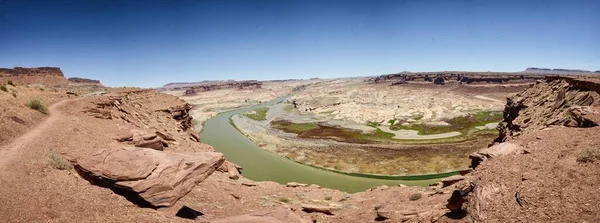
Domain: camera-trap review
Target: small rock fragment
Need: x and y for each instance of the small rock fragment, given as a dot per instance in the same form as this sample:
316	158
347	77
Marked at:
249	184
295	184
309	208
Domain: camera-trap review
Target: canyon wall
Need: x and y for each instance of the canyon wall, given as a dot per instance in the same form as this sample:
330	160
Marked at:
50	76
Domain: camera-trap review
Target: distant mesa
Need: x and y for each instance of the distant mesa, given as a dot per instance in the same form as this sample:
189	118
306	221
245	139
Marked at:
194	87
84	81
48	76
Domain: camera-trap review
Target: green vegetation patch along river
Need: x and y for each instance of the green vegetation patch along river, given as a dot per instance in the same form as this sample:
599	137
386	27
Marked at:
261	165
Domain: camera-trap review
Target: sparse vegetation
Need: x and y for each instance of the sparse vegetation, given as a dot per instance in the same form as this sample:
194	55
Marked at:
38	105
415	196
284	200
14	93
57	161
10	82
3	87
418	117
316	130
462	124
392	121
297	128
373	124
328	198
588	156
260	114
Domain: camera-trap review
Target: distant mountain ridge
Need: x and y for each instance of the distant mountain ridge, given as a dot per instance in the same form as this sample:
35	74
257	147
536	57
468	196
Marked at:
558	71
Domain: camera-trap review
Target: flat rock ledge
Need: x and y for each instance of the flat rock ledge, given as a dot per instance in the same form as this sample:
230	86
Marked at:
159	178
275	215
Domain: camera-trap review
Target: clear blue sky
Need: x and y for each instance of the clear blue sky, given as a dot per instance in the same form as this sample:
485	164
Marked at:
150	43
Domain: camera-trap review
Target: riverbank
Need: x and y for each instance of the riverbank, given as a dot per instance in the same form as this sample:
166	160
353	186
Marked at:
261	165
393	160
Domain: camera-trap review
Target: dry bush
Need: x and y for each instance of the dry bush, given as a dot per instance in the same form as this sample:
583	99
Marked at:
56	161
3	87
415	196
588	156
38	105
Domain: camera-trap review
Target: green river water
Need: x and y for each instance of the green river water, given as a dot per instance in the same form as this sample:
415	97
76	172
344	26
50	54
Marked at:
261	165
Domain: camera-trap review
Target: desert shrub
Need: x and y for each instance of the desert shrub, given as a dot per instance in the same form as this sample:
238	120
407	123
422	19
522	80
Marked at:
3	87
415	196
56	161
328	198
392	121
260	114
38	105
10	82
284	200
14	93
588	156
373	124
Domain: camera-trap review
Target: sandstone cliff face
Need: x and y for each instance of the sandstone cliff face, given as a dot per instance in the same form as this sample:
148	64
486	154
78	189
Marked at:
50	76
566	101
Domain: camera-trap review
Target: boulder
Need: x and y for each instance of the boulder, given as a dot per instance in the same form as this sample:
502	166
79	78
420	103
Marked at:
493	152
383	213
585	116
276	215
159	178
232	170
125	137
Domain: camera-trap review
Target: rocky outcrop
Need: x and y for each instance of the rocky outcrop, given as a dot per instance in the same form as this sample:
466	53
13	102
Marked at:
159	178
84	81
49	76
155	114
565	101
493	152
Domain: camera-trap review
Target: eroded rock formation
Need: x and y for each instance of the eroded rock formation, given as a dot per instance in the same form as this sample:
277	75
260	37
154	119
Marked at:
143	109
159	178
565	101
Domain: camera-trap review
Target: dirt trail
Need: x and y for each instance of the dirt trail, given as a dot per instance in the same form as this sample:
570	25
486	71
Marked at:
8	151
